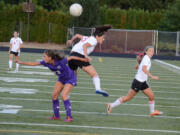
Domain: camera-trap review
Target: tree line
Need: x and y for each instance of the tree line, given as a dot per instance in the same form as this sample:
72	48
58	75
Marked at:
54	14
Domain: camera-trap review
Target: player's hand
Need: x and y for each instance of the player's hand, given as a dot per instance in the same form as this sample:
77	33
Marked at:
87	57
17	61
9	51
155	77
69	42
86	60
137	66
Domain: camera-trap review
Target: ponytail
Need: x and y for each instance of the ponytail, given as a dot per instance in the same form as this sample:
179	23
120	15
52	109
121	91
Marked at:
140	57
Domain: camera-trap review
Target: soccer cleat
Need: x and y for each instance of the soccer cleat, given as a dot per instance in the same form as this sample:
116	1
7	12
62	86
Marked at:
9	69
156	112
108	108
68	119
15	71
104	93
54	118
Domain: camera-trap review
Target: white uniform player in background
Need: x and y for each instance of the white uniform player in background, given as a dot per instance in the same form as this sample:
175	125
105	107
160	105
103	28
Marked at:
14	50
82	49
140	83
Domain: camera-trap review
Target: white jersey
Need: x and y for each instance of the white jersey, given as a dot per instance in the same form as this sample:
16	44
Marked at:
15	42
141	76
79	46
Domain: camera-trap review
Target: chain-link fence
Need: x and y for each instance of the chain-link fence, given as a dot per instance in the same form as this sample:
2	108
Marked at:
168	43
134	41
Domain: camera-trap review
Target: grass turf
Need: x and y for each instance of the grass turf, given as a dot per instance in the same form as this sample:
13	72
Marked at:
88	108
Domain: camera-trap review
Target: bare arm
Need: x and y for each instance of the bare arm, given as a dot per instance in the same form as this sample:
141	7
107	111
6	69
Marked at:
77	58
10	47
28	63
19	47
77	36
85	46
149	74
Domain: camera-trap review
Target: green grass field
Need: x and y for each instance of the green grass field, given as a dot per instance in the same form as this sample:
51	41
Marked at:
88	109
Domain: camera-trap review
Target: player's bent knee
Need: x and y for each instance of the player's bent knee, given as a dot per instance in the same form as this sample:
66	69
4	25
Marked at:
54	96
64	97
151	98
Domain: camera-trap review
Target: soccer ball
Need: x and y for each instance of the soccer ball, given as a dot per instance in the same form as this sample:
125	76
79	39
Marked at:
75	9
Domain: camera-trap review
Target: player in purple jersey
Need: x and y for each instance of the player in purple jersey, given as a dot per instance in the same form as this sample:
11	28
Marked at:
67	79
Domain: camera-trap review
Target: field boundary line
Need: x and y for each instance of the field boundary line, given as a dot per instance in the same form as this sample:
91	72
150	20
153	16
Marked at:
85	102
43	132
102	113
90	127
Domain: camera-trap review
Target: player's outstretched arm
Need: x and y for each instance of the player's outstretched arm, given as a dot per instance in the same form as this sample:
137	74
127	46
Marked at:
77	58
149	74
28	63
77	36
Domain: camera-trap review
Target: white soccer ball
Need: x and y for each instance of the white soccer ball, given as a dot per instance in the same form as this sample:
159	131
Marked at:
75	9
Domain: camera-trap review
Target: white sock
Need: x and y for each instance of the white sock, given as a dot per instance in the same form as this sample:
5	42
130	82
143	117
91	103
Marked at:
17	67
116	103
96	81
10	63
151	106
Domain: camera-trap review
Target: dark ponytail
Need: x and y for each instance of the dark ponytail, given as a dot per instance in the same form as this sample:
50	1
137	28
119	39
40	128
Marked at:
100	30
55	54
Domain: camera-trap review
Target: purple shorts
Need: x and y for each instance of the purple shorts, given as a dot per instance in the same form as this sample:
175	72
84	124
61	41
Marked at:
72	80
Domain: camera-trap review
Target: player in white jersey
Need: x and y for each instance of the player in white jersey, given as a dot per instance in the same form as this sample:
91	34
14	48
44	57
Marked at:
82	49
14	49
140	83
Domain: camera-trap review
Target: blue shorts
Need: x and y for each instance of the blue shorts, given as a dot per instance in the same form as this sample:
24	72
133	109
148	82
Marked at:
72	80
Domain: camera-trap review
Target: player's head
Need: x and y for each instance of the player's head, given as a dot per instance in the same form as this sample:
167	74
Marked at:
16	34
50	55
149	50
100	31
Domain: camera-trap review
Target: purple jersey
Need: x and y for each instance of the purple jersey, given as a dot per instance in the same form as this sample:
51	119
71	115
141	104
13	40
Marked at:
64	73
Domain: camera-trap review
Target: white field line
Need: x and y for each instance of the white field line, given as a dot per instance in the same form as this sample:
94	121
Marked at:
141	97
170	67
85	77
100	113
88	88
122	84
115	70
33	80
102	73
83	102
91	127
112	74
104	80
32	91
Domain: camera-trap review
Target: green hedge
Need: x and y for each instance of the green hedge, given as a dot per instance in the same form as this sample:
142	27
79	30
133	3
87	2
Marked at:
131	19
11	16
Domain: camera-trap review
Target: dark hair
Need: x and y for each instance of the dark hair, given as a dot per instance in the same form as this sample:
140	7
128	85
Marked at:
16	32
141	55
55	54
100	30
